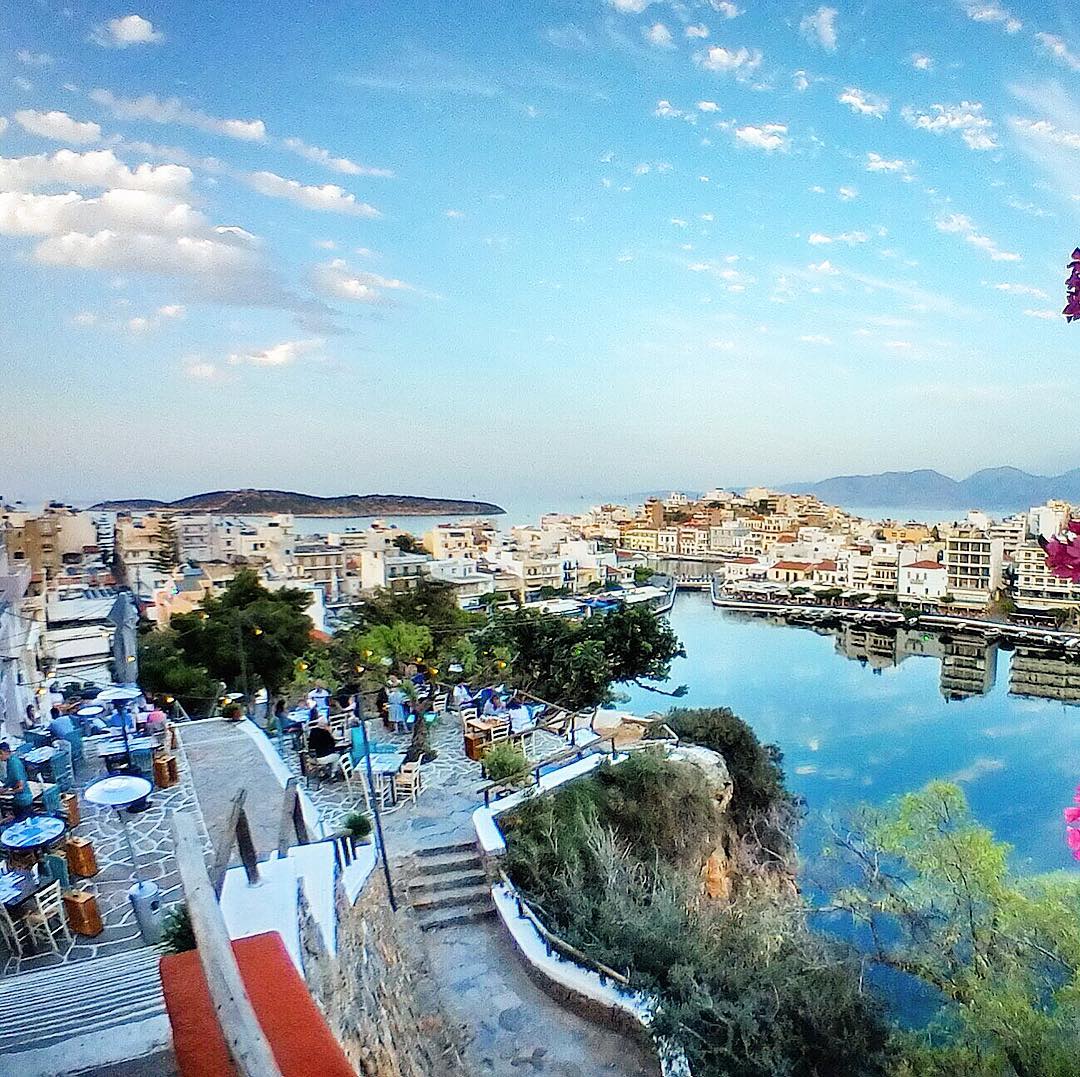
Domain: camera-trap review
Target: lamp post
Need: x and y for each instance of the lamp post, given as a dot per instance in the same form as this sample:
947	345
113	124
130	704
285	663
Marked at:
358	710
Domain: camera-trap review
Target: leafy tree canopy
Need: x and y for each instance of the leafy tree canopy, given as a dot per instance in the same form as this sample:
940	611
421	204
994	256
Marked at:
165	670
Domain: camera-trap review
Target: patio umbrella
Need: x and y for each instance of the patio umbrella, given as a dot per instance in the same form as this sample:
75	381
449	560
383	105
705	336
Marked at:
124	646
121	693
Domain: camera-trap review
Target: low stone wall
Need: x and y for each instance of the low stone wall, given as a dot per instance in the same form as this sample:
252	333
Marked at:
375	993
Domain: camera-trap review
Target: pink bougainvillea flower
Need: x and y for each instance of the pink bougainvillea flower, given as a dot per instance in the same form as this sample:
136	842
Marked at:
1075	255
1073	838
1063	552
1072	815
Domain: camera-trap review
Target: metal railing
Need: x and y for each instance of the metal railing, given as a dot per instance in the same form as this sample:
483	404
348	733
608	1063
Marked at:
512	783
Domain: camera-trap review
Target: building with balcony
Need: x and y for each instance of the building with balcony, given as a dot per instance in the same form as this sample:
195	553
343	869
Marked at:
973	565
1034	586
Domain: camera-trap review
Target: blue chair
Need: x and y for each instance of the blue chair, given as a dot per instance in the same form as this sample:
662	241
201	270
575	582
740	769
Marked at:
37	739
78	753
55	868
60	765
142	760
50	800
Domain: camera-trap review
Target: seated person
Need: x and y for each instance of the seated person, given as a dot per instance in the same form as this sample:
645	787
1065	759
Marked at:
520	716
462	695
119	716
322	745
16	779
156	721
495	706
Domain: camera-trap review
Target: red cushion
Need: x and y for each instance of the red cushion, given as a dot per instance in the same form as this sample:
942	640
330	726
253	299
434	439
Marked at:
299	1037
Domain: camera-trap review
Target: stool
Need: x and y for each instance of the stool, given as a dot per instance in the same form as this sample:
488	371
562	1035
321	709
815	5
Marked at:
69	804
166	771
80	857
81	913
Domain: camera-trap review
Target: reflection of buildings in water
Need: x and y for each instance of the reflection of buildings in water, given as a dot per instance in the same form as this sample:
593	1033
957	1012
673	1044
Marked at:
1034	672
968	667
883	648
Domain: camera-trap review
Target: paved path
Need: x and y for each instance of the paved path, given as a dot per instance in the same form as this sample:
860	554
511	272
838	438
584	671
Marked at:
224	760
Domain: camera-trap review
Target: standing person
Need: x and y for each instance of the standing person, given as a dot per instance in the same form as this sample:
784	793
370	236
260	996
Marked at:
462	695
16	779
63	728
279	716
396	713
382	703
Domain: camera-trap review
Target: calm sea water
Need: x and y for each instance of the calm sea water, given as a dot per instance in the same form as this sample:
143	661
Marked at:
851	732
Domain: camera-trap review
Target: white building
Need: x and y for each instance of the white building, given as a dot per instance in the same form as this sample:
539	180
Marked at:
20	639
1035	587
922	580
461	573
974	564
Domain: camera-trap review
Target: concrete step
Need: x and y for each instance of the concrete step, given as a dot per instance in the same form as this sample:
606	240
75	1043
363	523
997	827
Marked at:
450	880
438	918
460	897
442	850
443	863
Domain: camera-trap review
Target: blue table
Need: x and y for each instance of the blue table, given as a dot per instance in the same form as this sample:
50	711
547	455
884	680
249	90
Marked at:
39	756
16	886
32	834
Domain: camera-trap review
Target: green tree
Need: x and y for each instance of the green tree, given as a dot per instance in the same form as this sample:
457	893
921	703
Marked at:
408	543
642	574
168	546
400	642
935	898
248	629
165	670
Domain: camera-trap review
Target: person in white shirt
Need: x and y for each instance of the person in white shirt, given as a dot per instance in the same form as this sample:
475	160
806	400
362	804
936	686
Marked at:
462	695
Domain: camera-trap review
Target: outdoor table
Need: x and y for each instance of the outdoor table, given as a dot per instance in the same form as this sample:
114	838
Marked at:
38	735
37	790
388	763
17	885
33	834
39	756
115	746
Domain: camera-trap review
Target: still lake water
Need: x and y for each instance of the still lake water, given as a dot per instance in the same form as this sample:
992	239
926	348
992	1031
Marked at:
850	732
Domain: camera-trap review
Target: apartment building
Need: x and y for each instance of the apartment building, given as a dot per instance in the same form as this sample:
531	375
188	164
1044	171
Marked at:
323	564
46	539
461	573
973	563
1034	586
392	569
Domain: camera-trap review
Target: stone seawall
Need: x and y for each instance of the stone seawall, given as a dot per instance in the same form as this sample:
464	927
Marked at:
376	994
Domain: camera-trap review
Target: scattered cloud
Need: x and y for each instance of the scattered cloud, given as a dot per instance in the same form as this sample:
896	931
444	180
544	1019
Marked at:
865	104
172	110
846	194
698	30
93	168
630	7
1021	289
455	214
815	338
826	267
328	160
992	11
201	371
659	36
33	59
277	355
959	224
58	126
740	62
708	106
336	280
768	137
817	239
1046	315
1045	131
125	31
1056	48
921	62
800	81
328	198
729	11
820	28
567	36
876	163
967	119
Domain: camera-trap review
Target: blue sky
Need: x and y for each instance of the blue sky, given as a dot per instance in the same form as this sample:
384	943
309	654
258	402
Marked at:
497	249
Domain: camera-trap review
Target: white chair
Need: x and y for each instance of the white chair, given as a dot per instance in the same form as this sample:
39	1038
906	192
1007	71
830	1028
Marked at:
348	772
47	907
15	933
500	734
408	782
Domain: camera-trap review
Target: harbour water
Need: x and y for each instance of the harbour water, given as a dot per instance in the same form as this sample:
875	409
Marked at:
864	717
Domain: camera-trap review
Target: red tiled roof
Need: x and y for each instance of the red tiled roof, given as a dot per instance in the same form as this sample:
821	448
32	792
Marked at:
743	560
793	566
825	566
925	564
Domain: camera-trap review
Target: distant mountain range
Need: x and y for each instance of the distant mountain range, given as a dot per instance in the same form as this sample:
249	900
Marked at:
268	502
991	488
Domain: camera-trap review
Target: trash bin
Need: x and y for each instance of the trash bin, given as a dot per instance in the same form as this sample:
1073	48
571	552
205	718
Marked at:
146	901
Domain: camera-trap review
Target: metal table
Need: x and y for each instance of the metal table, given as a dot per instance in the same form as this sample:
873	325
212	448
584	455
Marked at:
32	834
16	886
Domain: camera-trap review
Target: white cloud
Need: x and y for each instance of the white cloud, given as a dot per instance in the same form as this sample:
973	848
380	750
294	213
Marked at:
659	36
173	110
127	30
966	118
846	194
865	104
800	81
826	267
1021	289
708	106
630	7
741	61
173	310
768	137
93	168
851	238
327	198
921	62
1059	50
28	214
337	281
1045	131
876	163
666	110
728	10
815	338
33	59
899	345
455	214
58	126
277	355
1046	315
328	160
992	11
85	319
200	370
820	28
960	224
698	30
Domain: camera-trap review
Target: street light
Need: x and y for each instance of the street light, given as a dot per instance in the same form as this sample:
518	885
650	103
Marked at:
358	710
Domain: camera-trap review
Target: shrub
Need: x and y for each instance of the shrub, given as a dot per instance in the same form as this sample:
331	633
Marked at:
358	825
504	762
177	934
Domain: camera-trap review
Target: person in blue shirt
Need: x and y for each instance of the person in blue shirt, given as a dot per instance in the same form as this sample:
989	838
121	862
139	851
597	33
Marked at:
63	728
15	779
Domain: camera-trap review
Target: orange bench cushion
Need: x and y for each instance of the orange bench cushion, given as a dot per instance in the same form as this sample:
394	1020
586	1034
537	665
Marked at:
298	1034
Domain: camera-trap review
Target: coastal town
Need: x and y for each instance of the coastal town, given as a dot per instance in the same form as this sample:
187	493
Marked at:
63	566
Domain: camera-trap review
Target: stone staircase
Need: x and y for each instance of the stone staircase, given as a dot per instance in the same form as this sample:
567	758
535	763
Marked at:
449	886
50	1008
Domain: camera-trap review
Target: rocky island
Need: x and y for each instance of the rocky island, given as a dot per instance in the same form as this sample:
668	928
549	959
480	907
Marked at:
252	502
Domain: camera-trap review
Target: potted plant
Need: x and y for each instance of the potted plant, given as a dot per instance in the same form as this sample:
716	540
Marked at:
358	825
177	934
507	764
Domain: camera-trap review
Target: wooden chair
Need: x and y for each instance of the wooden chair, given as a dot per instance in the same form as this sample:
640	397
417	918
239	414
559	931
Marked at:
48	905
383	790
409	782
500	734
469	712
348	772
15	932
312	769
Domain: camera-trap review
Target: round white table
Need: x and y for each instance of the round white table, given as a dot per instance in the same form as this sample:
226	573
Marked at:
120	791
